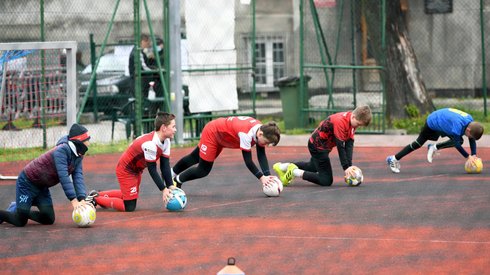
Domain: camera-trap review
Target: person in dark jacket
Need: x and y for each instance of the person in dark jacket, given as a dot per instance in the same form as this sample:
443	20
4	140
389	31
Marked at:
144	49
53	167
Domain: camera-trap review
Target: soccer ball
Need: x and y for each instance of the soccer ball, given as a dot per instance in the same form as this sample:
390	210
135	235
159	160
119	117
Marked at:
356	180
273	190
473	168
84	215
178	200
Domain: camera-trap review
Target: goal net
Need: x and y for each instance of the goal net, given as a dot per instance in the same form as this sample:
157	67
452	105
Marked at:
37	97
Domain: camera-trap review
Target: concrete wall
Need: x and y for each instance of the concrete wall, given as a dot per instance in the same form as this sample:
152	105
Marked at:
448	46
73	20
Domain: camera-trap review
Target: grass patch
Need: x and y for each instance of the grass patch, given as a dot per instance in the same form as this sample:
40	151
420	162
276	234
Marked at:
414	124
280	122
7	155
23	123
32	153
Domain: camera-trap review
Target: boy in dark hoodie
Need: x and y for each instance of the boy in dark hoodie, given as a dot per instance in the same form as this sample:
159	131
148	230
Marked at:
53	167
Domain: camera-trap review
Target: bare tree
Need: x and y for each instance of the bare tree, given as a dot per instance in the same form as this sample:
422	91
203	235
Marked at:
404	84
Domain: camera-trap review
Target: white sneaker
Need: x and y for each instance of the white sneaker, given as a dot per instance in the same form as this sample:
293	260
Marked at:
393	164
431	152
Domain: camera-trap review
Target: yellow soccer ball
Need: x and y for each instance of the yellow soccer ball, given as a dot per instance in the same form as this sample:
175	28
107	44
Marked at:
84	216
473	167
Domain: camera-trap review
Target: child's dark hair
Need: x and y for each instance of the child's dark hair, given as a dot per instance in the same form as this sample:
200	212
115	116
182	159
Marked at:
144	37
271	132
476	130
163	118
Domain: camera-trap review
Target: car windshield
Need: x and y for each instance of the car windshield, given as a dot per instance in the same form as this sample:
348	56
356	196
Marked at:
109	63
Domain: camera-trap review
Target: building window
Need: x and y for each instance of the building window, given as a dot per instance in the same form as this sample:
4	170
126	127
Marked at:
278	59
270	60
261	63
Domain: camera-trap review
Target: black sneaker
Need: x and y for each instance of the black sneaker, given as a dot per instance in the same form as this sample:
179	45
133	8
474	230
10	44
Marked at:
12	208
91	197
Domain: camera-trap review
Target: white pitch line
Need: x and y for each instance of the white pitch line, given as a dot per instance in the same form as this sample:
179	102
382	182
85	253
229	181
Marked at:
186	210
223	204
421	178
250	200
372	239
2	177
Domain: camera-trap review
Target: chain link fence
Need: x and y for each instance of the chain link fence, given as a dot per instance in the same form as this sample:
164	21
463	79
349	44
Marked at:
26	21
447	39
216	55
336	58
339	56
217	63
234	50
217	67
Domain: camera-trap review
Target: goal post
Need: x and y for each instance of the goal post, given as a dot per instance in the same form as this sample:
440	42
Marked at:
38	97
71	48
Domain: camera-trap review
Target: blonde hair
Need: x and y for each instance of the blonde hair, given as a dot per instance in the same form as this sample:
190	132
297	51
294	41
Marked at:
363	114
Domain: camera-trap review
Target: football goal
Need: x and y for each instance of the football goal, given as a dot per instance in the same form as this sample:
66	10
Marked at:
38	98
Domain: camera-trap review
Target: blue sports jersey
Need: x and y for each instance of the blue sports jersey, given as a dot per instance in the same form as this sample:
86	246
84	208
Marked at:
451	122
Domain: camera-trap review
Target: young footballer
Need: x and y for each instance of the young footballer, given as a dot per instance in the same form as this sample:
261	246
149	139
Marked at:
448	122
239	132
335	131
143	152
62	164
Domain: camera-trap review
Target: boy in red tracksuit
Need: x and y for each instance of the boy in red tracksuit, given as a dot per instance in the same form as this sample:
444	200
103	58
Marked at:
144	152
239	132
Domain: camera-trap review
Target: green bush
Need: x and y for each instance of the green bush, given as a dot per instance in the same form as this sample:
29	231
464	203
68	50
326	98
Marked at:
32	153
412	111
411	125
414	123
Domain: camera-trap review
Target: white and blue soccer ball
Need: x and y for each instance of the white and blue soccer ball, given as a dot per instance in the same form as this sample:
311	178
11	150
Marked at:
178	200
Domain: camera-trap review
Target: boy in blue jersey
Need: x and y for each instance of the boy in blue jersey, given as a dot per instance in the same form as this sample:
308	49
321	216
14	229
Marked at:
448	122
62	164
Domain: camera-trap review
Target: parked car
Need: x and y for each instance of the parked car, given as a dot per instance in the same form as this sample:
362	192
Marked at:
114	86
